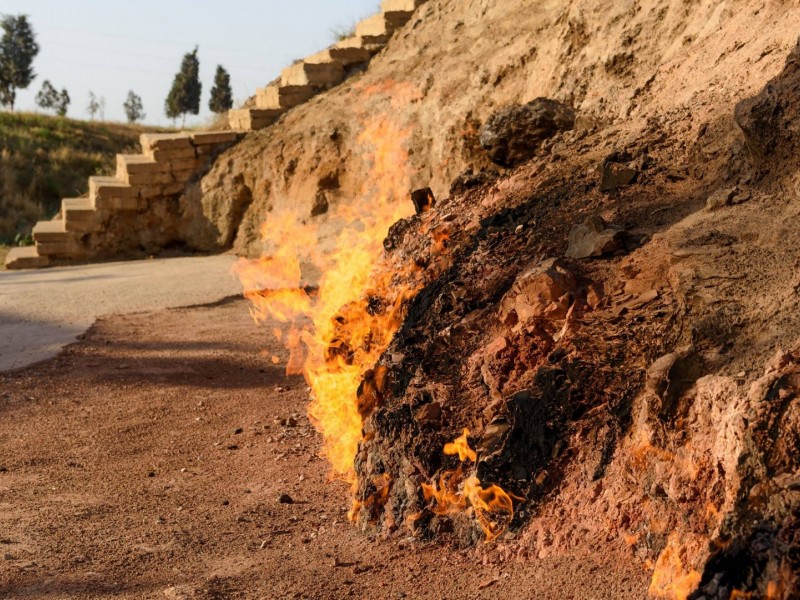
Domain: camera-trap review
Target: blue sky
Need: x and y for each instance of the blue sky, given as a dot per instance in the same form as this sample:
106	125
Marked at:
112	46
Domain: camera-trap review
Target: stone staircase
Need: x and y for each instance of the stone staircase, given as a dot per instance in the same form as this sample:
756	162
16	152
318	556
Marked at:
161	172
324	70
98	226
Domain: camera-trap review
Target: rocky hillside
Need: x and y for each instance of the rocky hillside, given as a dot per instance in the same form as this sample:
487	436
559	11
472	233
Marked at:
615	322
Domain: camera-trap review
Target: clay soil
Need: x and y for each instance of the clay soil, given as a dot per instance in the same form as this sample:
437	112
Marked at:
147	461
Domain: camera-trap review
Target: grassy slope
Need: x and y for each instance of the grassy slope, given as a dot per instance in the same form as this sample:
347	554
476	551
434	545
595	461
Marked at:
44	159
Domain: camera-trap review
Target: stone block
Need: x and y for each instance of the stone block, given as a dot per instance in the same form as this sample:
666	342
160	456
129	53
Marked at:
50	231
137	179
78	209
173	154
183	164
147	192
214	137
374	30
64	249
316	74
104	188
165	141
25	257
277	97
389	6
350	51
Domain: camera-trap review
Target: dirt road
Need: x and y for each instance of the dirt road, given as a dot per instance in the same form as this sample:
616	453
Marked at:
148	459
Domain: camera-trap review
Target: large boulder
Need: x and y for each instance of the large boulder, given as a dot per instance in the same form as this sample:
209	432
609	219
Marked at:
512	135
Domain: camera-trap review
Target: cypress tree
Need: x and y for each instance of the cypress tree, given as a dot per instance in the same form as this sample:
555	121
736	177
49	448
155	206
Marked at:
221	94
184	96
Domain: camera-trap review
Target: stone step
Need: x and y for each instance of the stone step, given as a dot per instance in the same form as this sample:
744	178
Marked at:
165	141
275	97
388	6
25	257
110	193
140	169
50	231
252	119
375	30
322	75
79	215
68	248
213	137
348	52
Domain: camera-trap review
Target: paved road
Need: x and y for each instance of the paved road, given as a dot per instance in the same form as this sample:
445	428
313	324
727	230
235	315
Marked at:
43	311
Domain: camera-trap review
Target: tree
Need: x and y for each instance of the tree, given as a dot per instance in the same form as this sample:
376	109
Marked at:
94	105
18	48
47	98
133	108
62	103
102	104
184	96
221	94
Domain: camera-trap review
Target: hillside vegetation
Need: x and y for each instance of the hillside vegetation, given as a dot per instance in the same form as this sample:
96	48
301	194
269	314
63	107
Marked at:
44	159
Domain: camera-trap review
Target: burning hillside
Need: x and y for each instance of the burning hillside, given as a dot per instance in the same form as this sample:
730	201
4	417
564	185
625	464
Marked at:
590	347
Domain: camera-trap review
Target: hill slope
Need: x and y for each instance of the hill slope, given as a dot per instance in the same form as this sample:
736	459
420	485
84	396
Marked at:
639	401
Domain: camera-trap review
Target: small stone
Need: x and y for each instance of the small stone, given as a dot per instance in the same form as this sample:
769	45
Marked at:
720	198
238	431
291	422
594	238
151	474
616	175
285	499
8	556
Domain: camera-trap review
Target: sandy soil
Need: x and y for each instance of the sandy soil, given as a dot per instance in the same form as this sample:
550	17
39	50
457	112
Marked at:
147	460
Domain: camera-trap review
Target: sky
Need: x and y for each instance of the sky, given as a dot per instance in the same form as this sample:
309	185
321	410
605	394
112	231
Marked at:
112	46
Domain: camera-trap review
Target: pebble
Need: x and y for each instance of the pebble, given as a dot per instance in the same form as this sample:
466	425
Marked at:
8	556
238	431
285	499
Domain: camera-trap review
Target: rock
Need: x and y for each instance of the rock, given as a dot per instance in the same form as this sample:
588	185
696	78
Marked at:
8	556
593	238
512	135
543	290
423	200
615	175
291	422
719	198
320	206
285	499
430	414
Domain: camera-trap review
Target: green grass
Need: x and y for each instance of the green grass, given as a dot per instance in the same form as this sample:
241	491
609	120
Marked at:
44	159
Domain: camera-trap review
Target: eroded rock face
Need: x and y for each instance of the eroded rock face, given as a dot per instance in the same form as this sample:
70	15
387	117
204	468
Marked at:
512	135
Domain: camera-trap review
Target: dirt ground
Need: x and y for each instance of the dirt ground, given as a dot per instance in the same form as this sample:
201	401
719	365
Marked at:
147	461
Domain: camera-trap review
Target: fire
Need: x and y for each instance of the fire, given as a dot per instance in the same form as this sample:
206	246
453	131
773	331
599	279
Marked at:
671	579
338	332
492	507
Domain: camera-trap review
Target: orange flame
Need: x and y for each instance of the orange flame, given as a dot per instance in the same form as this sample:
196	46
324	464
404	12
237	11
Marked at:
338	333
671	580
492	507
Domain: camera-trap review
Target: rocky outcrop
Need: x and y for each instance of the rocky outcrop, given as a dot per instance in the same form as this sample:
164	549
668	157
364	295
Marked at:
513	135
